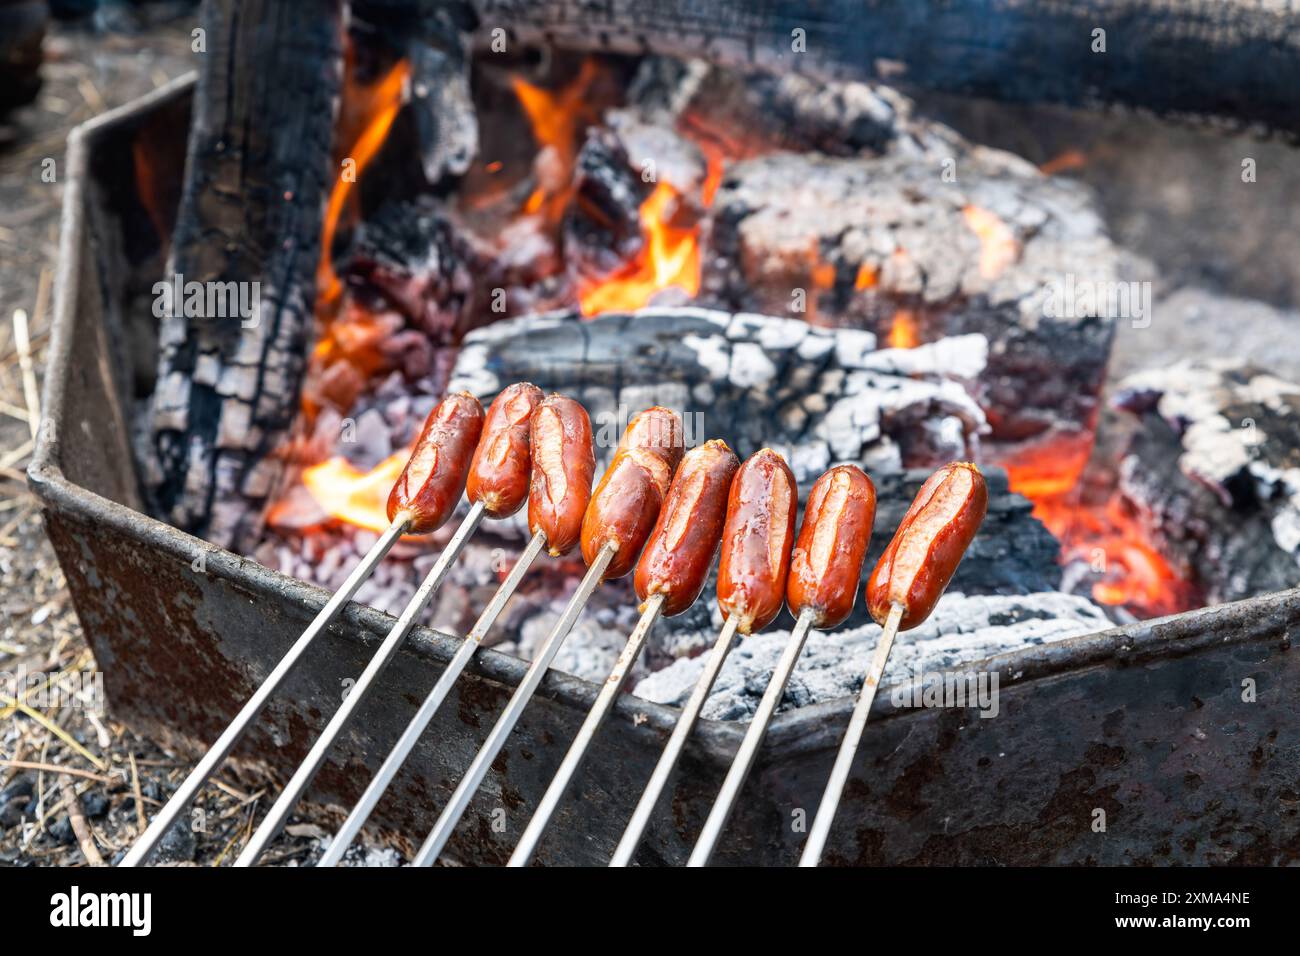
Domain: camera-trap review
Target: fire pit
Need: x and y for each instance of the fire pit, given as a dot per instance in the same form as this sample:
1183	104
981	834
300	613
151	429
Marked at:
1128	720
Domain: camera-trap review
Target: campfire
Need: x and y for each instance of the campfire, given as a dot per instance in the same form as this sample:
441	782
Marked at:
812	268
616	208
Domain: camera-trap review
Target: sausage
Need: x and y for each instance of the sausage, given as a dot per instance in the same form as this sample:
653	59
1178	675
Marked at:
827	562
929	544
756	541
564	463
430	485
626	503
685	538
498	475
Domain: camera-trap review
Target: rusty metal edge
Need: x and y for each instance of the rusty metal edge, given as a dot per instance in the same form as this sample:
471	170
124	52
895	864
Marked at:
810	727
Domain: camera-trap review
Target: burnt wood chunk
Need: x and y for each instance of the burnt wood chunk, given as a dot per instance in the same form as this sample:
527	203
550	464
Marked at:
819	396
1148	55
1212	473
250	219
889	244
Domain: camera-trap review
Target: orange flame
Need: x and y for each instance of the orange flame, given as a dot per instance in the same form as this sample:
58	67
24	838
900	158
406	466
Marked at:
903	332
380	103
555	117
998	245
670	257
1106	535
359	498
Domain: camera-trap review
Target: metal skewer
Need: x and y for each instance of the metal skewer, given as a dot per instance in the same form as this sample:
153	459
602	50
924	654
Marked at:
821	827
302	777
609	692
451	814
631	838
415	729
740	767
174	807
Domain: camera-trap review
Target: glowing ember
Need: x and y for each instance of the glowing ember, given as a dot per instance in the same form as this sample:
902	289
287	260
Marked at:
998	245
359	498
865	279
670	257
903	333
379	104
1105	535
1070	159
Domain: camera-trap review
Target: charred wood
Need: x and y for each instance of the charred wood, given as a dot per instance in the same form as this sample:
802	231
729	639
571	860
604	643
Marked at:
1150	56
255	184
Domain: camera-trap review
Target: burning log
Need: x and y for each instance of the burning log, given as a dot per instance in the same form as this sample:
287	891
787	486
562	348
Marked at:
882	243
1212	474
250	219
822	395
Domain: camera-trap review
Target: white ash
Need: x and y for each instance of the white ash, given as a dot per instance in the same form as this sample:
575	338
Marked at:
818	395
961	630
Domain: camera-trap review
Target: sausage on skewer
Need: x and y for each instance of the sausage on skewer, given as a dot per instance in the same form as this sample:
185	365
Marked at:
615	525
626	503
825	569
564	463
903	589
499	472
669	577
756	540
431	483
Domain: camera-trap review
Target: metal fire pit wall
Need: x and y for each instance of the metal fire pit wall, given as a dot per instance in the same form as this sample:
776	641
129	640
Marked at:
1146	723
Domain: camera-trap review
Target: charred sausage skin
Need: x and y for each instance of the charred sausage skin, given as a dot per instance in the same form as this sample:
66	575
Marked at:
826	566
431	483
686	536
929	544
626	503
756	541
499	473
563	465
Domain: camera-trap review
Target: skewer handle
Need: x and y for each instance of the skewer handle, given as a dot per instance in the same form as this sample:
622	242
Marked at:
609	692
415	729
190	786
740	767
451	814
302	777
631	838
821	828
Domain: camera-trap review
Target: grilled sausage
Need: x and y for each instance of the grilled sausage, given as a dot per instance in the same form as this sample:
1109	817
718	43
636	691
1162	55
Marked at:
498	475
929	544
685	538
564	463
626	503
756	541
827	562
429	487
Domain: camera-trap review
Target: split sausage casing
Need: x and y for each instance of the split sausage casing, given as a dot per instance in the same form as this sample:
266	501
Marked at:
929	544
626	503
826	566
685	538
430	486
564	463
756	541
499	473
